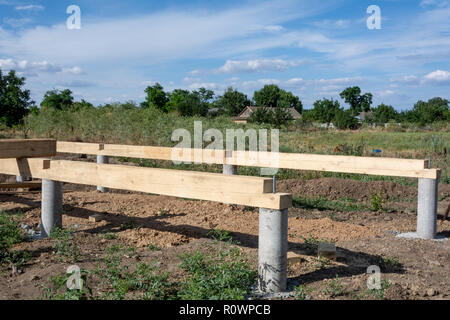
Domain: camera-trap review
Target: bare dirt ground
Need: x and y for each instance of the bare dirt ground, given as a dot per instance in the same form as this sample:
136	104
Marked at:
415	269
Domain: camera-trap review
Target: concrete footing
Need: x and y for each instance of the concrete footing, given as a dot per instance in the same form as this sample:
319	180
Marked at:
102	160
426	211
52	197
272	250
229	169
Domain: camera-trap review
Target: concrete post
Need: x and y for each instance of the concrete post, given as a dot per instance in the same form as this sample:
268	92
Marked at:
426	211
51	215
22	179
229	169
272	250
427	208
102	160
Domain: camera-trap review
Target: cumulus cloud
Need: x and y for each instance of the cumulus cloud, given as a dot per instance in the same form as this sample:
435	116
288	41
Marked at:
257	65
439	77
33	68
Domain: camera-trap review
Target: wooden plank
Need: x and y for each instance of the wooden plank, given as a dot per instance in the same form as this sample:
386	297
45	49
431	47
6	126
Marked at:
21	185
27	148
241	190
329	163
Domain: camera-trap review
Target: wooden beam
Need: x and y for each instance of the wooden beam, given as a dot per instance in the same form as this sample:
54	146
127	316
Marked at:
242	190
27	148
21	185
329	163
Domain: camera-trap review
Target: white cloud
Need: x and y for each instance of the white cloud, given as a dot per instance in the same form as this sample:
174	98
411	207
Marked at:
439	77
30	7
410	79
17	23
33	68
333	24
257	65
257	84
438	3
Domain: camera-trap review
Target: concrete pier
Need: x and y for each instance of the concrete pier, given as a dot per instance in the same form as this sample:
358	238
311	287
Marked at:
426	211
102	160
52	197
230	169
272	250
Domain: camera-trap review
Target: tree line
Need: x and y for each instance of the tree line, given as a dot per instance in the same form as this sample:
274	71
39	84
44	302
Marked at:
274	102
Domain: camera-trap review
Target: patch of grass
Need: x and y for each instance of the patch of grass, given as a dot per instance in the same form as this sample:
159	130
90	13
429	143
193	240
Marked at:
66	249
444	196
108	236
163	213
11	234
302	292
153	247
221	235
225	276
130	225
321	263
334	289
380	293
119	282
376	201
58	289
390	263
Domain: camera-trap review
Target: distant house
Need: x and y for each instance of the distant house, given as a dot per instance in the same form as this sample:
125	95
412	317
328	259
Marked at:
247	112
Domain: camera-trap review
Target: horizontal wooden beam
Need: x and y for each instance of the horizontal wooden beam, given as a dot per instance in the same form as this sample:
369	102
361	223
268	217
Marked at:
329	163
242	190
21	185
27	148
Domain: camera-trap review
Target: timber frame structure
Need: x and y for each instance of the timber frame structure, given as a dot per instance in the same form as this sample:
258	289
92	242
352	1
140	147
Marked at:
30	158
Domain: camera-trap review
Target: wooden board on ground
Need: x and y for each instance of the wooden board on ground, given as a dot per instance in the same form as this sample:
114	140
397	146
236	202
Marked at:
241	190
21	185
27	148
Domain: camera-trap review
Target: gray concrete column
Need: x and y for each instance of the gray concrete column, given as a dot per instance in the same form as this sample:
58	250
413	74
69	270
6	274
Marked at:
229	169
52	195
102	160
22	179
272	250
427	208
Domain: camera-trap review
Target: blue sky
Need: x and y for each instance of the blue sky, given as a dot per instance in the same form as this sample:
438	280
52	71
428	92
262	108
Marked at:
313	48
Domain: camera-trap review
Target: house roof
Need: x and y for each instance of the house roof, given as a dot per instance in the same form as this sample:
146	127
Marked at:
245	114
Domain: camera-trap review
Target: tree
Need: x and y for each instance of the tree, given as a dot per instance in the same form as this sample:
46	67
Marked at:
325	110
277	116
82	105
156	98
272	96
288	100
345	120
59	100
15	102
232	102
189	104
268	96
358	102
436	109
384	113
